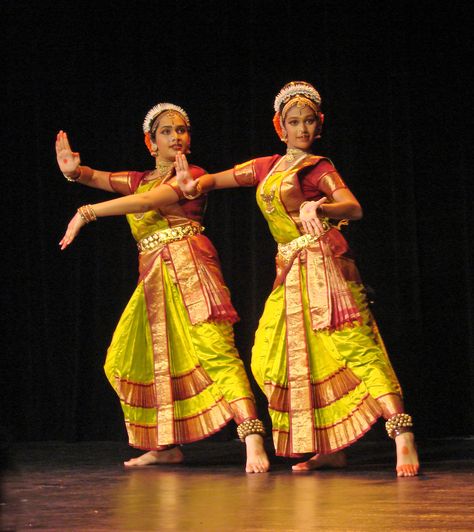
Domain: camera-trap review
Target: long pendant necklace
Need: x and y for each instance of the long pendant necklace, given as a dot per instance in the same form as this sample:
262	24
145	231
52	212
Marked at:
291	153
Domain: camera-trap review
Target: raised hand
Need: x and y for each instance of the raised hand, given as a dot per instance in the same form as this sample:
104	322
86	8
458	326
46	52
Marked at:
309	217
183	177
68	160
73	228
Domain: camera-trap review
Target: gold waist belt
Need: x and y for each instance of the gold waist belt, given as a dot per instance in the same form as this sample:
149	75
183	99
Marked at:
286	252
172	234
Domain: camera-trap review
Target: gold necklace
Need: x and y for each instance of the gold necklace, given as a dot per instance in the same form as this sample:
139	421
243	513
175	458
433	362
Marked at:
163	170
292	153
163	167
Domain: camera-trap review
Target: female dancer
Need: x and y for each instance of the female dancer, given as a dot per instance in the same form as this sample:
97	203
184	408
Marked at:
317	355
172	359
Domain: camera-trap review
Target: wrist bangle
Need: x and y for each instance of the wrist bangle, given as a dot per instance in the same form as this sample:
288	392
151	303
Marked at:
191	196
320	212
72	179
84	172
87	213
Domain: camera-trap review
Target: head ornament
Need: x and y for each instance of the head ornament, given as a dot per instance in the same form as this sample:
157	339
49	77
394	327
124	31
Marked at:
299	93
154	112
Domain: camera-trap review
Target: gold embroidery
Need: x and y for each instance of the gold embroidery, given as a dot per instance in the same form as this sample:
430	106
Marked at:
165	236
299	383
288	251
195	295
335	437
268	199
153	285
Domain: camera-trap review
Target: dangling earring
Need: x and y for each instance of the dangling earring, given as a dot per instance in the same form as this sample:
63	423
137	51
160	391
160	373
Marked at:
320	126
154	150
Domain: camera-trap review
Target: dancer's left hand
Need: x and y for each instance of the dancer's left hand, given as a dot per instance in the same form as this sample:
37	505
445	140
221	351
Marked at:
309	218
73	228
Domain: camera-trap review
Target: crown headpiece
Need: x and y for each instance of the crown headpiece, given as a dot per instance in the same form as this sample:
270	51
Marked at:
161	108
304	94
158	109
296	88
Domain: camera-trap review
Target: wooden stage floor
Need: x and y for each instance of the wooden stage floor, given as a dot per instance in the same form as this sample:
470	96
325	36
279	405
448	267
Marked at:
83	486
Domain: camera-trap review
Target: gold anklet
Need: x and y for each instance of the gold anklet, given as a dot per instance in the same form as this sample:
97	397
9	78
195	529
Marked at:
398	424
250	426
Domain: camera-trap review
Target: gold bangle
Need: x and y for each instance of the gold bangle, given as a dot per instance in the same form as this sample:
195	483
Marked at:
73	179
87	213
191	197
319	212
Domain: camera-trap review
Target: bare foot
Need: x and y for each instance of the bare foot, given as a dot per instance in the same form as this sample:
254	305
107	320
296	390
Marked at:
257	459
407	457
167	456
322	461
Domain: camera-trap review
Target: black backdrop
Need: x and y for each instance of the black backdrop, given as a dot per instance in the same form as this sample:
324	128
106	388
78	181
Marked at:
393	77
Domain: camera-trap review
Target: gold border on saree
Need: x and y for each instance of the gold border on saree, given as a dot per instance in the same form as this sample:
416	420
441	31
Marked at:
288	251
166	236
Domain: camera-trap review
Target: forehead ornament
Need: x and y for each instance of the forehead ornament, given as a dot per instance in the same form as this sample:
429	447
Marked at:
297	93
161	108
171	109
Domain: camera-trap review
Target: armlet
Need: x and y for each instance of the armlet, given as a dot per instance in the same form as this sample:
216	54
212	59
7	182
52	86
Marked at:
121	182
331	182
245	175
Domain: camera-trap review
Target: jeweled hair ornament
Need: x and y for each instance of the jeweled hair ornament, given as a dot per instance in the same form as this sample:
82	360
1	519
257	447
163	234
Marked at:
300	90
157	110
296	88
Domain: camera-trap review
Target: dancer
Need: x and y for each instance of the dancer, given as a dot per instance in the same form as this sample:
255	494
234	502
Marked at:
172	359
317	355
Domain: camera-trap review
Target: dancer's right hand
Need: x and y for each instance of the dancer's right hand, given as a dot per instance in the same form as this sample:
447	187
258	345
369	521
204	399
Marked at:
183	177
68	160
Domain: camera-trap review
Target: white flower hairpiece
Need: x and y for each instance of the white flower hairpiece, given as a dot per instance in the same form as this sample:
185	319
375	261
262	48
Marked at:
161	108
296	88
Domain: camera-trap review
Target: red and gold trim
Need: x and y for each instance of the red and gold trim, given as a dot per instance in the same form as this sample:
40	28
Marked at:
299	376
331	182
324	392
245	175
154	295
243	409
335	437
144	396
186	430
190	283
121	182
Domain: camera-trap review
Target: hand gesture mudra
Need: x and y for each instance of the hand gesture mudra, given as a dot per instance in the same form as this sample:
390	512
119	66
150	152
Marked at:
73	228
68	160
309	217
183	177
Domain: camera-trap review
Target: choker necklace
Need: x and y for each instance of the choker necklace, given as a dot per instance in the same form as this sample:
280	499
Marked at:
163	170
292	153
163	167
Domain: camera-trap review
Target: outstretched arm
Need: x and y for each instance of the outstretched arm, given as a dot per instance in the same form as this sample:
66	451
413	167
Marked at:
152	200
69	164
205	183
